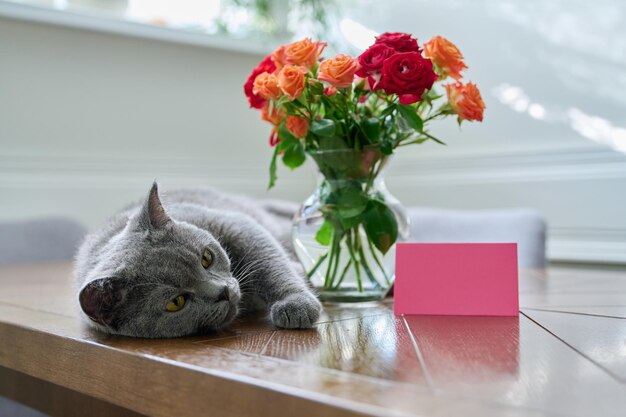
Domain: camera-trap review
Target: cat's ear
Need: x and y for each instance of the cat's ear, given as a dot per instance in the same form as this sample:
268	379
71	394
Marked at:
153	215
100	298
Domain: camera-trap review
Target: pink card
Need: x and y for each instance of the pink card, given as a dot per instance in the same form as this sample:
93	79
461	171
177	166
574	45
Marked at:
464	279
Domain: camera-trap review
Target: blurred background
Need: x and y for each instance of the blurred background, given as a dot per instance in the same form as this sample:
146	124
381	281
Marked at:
100	97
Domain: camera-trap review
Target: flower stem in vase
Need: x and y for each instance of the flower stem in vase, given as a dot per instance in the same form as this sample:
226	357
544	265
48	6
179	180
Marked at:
343	274
366	267
317	265
329	266
380	265
357	267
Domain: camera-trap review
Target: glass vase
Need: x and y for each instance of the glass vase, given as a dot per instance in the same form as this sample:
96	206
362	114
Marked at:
345	233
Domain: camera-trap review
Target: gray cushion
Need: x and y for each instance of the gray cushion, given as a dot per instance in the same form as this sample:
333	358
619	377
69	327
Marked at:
50	239
526	227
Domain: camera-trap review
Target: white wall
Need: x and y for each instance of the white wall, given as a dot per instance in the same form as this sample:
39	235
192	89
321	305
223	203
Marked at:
88	120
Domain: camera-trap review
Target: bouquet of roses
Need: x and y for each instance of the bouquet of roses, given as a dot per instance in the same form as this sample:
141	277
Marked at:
374	103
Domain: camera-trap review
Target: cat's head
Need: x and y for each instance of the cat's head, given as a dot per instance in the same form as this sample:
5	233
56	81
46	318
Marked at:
160	278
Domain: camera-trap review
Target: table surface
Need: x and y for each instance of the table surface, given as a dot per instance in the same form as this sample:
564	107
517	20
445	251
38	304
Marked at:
564	355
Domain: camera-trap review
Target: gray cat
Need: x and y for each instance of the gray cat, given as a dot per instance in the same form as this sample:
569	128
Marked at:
186	266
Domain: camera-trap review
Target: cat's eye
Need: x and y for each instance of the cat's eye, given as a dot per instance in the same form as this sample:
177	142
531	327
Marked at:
176	304
207	258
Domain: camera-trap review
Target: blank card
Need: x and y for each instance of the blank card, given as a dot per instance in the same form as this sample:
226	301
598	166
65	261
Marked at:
465	279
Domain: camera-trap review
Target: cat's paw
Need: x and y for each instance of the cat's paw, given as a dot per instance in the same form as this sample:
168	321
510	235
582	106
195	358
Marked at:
297	311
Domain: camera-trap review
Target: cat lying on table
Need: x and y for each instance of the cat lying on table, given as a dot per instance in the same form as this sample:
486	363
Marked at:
187	266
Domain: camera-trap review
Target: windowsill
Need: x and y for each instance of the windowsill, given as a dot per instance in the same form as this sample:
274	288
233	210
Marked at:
120	26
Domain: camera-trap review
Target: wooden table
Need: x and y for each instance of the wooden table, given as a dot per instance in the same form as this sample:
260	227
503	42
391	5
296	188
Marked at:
564	355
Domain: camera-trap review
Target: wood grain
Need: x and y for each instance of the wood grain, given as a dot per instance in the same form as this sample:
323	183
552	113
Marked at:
602	311
513	361
585	333
55	400
359	360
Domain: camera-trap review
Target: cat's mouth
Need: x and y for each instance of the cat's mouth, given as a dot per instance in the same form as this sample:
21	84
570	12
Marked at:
230	314
222	318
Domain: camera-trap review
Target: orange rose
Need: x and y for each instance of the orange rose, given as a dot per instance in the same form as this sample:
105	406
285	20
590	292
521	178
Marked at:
298	126
466	101
266	86
446	56
278	56
275	116
304	52
339	71
291	81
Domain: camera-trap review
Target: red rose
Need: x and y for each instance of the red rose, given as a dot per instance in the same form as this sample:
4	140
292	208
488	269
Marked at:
408	75
400	42
371	61
267	65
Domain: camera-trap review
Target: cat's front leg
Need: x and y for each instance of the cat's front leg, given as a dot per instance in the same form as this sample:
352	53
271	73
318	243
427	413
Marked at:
291	303
296	311
275	279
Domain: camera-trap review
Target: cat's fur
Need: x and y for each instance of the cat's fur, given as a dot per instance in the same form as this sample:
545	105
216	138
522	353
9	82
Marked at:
151	252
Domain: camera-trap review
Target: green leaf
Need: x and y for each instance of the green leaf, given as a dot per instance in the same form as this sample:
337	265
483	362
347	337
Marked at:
351	202
290	107
439	141
380	225
431	137
324	128
331	144
386	147
430	96
286	137
325	233
273	175
371	127
316	88
294	155
412	118
349	222
387	111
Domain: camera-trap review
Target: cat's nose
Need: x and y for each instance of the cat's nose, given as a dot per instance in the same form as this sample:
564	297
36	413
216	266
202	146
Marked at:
224	295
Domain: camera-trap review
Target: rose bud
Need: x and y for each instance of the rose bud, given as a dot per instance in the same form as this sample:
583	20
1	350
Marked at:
274	138
466	101
446	56
330	91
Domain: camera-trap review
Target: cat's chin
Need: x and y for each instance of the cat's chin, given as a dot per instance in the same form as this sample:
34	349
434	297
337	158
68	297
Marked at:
222	323
230	315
